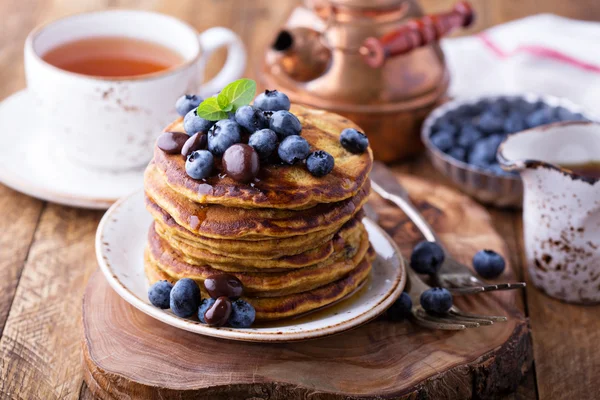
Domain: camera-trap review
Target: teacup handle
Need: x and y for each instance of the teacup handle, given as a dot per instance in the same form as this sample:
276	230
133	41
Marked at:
212	39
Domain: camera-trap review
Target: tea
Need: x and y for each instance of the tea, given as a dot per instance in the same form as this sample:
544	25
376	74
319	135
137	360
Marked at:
589	169
112	57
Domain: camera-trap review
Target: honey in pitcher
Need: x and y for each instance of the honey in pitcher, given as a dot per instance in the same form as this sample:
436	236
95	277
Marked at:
588	170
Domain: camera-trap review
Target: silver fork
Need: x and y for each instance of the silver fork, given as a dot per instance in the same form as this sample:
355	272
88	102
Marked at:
453	274
454	320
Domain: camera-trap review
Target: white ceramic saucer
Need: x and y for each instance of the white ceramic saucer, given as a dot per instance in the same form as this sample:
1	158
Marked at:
120	243
32	163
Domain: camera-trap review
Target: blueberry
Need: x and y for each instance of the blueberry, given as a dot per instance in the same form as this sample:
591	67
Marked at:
204	306
242	314
400	310
199	164
293	149
252	119
523	106
159	294
488	264
466	111
578	117
320	163
497	169
490	123
443	140
193	123
285	124
500	107
272	100
458	153
187	103
562	114
436	300
483	152
444	124
354	141
542	116
427	257
514	123
185	298
482	105
223	135
264	142
468	135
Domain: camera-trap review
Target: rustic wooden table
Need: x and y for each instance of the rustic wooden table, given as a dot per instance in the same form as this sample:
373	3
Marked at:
47	250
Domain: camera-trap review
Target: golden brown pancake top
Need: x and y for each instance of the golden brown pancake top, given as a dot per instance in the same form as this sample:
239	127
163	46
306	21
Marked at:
279	186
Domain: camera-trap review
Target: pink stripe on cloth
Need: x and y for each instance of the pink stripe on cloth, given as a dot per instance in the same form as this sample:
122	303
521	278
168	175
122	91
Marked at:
538	51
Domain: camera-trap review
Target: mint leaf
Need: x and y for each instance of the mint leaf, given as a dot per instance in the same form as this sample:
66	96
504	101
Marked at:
223	101
210	110
239	93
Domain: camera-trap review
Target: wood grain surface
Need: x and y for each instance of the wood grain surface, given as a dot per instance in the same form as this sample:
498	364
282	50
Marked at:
379	360
46	250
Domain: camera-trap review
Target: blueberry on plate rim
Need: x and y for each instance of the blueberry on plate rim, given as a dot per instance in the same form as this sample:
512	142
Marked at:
242	314
436	300
427	257
185	298
488	264
159	294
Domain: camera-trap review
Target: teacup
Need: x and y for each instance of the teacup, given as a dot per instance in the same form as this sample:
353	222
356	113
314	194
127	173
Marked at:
110	123
561	208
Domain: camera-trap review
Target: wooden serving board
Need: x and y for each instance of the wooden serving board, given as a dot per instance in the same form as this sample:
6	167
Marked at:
128	354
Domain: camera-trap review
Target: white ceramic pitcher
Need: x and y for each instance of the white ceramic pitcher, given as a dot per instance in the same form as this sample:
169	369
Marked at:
561	210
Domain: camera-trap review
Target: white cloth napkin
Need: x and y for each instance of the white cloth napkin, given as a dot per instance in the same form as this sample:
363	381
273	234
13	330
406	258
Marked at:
543	54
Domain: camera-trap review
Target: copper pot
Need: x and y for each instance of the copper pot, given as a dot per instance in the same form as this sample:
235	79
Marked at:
375	61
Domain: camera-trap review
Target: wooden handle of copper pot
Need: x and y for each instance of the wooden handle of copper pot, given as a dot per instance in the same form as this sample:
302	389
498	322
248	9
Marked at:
416	33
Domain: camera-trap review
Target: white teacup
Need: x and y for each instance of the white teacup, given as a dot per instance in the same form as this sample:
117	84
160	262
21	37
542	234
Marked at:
111	123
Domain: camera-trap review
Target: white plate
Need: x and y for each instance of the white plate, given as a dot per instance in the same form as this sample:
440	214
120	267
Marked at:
33	163
120	243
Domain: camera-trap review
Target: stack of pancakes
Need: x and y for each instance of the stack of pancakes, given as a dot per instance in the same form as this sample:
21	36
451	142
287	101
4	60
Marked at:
296	242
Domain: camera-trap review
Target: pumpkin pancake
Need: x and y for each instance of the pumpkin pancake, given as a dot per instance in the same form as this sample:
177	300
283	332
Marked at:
255	256
239	262
272	308
261	284
278	186
272	248
221	222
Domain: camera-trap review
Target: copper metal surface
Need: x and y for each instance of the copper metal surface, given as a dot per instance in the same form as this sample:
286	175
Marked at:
323	67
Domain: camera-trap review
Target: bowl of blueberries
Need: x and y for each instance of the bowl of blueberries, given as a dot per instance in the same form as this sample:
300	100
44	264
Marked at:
463	136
